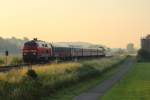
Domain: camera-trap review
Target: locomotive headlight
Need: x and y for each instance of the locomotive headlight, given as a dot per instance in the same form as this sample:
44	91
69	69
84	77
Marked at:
34	53
24	53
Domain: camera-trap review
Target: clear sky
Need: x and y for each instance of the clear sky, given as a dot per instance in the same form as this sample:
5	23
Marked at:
110	22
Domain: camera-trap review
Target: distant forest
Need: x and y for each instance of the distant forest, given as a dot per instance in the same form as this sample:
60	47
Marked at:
13	45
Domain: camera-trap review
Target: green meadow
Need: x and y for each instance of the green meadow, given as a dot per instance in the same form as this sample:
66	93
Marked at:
135	85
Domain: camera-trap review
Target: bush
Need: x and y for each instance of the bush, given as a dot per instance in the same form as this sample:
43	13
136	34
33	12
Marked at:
143	55
87	71
16	60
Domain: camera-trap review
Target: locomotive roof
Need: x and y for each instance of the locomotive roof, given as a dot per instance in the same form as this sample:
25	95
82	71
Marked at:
36	41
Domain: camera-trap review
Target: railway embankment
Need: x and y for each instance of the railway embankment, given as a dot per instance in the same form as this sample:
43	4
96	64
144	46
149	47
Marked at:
21	84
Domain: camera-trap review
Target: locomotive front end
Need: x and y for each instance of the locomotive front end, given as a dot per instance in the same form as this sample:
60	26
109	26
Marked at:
30	52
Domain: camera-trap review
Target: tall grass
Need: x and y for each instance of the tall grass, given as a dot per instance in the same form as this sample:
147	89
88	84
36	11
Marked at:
16	60
17	85
11	60
2	61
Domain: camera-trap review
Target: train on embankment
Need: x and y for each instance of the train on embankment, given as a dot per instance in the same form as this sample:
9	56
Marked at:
37	50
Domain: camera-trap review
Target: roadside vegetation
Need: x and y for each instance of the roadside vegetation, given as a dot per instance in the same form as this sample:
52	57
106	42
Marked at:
43	82
16	61
135	86
11	60
1	61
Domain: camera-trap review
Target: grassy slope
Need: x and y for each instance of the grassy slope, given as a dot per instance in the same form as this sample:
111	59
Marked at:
70	92
16	85
135	86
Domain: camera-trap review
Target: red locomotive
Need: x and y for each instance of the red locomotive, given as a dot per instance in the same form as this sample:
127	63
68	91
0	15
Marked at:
37	50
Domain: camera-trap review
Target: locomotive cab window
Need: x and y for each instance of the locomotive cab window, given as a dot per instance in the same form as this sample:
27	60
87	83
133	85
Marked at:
46	45
30	44
42	45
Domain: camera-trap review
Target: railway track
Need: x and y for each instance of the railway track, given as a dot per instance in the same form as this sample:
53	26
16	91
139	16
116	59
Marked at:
7	68
19	66
11	67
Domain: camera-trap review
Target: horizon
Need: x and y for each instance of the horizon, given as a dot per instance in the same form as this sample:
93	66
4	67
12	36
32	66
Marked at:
70	42
113	23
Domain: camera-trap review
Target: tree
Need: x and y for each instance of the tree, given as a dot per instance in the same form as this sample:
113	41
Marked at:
143	55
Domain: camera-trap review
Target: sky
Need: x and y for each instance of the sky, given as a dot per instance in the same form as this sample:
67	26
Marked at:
113	23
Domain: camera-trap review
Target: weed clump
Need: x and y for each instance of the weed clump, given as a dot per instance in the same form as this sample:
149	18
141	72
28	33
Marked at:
32	74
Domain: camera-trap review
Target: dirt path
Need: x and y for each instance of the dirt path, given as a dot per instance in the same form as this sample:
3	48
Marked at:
97	92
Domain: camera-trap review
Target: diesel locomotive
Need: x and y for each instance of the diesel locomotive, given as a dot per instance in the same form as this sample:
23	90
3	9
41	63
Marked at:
37	50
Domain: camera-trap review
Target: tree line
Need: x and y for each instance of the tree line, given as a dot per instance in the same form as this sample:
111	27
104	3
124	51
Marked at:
12	45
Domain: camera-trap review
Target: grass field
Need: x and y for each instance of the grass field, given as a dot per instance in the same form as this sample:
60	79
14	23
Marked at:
135	86
16	85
